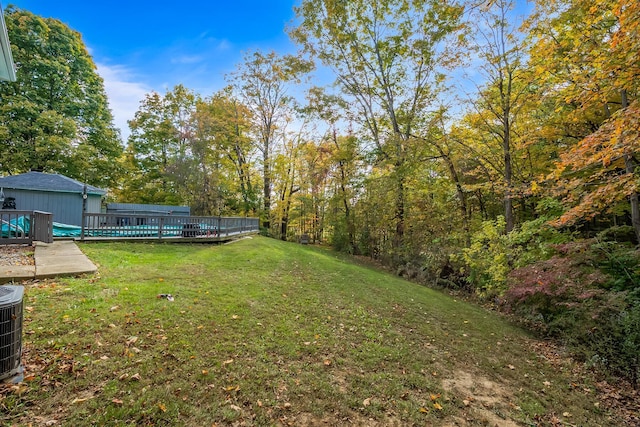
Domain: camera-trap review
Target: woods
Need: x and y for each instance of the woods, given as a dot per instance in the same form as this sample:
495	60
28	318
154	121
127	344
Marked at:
461	144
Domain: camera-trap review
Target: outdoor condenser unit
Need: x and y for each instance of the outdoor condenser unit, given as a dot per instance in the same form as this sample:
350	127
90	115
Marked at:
10	330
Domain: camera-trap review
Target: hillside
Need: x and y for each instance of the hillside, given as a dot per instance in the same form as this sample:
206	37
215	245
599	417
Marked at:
263	332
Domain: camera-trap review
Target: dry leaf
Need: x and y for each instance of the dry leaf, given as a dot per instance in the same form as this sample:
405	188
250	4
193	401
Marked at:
117	401
424	410
205	372
512	367
226	362
434	396
366	402
114	308
438	406
135	377
162	407
327	362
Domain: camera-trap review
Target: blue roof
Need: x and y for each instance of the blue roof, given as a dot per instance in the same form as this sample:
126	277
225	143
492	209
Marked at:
40	181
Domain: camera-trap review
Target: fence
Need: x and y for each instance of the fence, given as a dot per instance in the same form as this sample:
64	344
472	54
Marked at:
23	227
124	226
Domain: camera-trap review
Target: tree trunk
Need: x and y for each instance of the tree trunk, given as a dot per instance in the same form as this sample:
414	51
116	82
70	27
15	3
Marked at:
508	173
266	223
630	167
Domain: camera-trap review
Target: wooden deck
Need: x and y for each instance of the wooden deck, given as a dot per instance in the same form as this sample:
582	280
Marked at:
167	228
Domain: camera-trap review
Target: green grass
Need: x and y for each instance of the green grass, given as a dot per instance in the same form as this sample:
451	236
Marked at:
263	332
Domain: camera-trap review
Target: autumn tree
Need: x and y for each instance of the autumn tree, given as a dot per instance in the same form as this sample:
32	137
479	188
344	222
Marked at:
583	51
263	82
500	99
55	117
386	56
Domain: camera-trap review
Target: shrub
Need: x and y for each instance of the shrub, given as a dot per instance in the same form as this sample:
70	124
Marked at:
494	254
587	296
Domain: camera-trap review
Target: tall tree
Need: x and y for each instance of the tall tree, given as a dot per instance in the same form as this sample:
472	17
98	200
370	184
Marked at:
584	51
386	55
263	81
501	99
55	117
158	145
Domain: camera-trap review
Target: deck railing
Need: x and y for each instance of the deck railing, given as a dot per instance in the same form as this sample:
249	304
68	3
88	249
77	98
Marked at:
23	227
132	226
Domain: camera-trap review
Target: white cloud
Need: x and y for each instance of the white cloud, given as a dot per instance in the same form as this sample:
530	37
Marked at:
124	94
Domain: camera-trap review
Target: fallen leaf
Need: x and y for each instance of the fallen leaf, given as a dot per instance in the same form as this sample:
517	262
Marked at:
327	362
466	402
226	362
434	397
512	367
205	372
438	406
135	377
546	383
131	340
76	400
114	308
162	407
235	408
117	401
366	402
424	410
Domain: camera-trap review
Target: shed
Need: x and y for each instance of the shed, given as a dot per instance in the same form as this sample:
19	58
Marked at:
140	214
58	194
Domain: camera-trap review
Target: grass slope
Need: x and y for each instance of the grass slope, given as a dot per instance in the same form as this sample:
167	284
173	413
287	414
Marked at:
263	332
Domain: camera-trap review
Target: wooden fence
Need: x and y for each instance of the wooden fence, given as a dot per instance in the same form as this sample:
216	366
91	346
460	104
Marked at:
25	227
138	226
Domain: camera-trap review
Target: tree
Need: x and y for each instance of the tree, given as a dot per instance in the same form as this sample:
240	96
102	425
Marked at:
386	56
501	98
262	82
55	117
157	146
583	51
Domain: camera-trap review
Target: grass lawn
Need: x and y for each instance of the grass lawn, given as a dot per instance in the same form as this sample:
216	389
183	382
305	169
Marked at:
263	332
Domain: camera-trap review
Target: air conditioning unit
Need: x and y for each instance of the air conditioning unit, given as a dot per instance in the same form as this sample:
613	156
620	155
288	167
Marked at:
10	331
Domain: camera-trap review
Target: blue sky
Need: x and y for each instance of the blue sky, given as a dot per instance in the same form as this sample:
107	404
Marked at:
141	45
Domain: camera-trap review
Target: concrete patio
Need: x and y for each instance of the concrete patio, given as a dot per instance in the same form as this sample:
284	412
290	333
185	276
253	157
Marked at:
57	259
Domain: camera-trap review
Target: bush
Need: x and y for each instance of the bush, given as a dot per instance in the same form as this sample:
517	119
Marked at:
587	295
494	254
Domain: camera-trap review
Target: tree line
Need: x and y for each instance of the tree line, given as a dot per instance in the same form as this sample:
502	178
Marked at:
395	159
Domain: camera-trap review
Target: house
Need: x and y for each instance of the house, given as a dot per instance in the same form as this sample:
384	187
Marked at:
7	66
57	194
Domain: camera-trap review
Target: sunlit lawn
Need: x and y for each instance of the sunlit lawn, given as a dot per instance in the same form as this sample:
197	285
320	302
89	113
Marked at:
263	332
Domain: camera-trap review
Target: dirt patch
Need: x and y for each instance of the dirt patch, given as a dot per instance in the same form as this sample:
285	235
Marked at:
486	401
16	255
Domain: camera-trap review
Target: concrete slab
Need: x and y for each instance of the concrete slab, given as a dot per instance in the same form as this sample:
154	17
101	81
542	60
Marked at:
17	273
61	258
